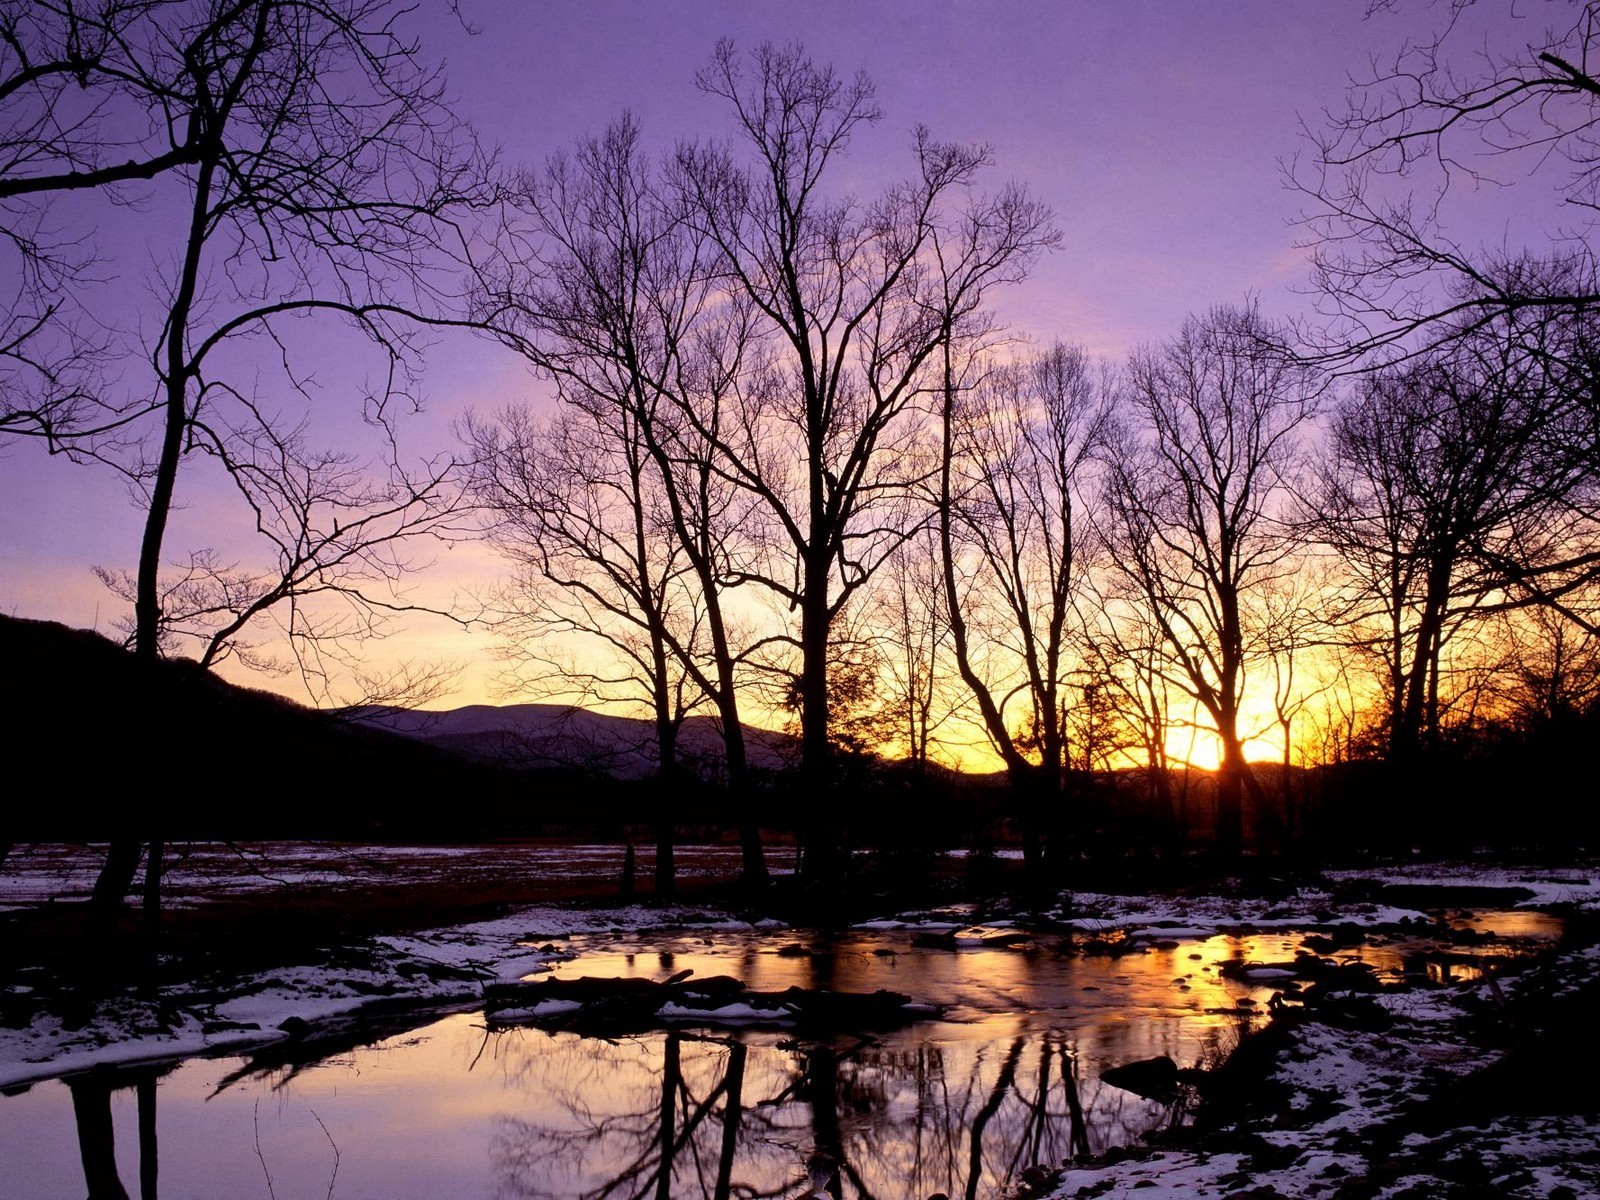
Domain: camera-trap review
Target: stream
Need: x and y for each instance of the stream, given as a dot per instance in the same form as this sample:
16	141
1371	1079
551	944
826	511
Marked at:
1006	1075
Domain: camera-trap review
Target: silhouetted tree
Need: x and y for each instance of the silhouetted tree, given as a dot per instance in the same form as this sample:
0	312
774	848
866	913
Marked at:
1555	668
1294	613
910	603
314	157
80	110
1485	100
1017	461
1446	504
849	308
609	294
1197	481
574	504
319	174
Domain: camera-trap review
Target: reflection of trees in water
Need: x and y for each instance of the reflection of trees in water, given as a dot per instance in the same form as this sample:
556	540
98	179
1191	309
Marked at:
661	1116
91	1110
966	1124
681	1115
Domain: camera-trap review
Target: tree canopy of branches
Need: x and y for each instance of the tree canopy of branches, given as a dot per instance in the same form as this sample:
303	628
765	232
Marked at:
1194	507
81	108
613	301
297	159
849	302
1018	459
320	174
770	338
1447	501
572	503
1431	125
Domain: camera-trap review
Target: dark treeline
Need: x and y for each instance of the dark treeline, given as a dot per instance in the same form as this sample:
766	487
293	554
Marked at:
795	467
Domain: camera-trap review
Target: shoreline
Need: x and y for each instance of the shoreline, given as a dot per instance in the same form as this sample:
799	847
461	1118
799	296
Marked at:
1342	1077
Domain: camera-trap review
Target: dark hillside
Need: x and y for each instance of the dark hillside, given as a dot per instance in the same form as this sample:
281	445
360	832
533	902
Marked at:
90	731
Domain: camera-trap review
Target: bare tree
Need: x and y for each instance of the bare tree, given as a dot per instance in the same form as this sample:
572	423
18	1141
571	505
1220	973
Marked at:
329	175
1485	100
1017	464
1123	654
611	298
910	602
575	505
849	308
80	110
1193	508
1555	675
1499	102
1293	611
322	176
1446	503
319	174
342	542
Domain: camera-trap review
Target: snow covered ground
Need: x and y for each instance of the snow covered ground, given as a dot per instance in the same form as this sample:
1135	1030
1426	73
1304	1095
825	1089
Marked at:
1409	1093
434	970
1388	1107
203	872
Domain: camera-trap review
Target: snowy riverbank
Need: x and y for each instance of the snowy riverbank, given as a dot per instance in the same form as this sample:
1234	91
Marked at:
1386	1082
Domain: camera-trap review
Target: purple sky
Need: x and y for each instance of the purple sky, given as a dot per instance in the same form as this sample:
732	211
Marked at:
1154	130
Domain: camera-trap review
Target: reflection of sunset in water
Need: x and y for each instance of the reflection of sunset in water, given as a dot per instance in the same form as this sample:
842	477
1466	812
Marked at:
1509	923
1165	1001
1009	1075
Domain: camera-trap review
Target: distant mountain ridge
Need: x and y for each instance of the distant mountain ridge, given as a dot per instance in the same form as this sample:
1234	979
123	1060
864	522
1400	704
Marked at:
567	736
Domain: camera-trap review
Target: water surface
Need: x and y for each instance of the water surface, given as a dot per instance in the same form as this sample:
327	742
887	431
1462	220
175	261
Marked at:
1006	1076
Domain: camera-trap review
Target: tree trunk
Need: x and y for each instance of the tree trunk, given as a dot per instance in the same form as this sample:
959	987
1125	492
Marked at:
1030	795
114	883
666	808
732	1116
91	1106
991	1105
753	874
670	1078
1287	789
175	383
822	862
821	1090
150	901
1230	798
666	871
1412	708
149	1147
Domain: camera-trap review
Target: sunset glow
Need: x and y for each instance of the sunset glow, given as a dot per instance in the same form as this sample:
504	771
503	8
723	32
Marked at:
1159	149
